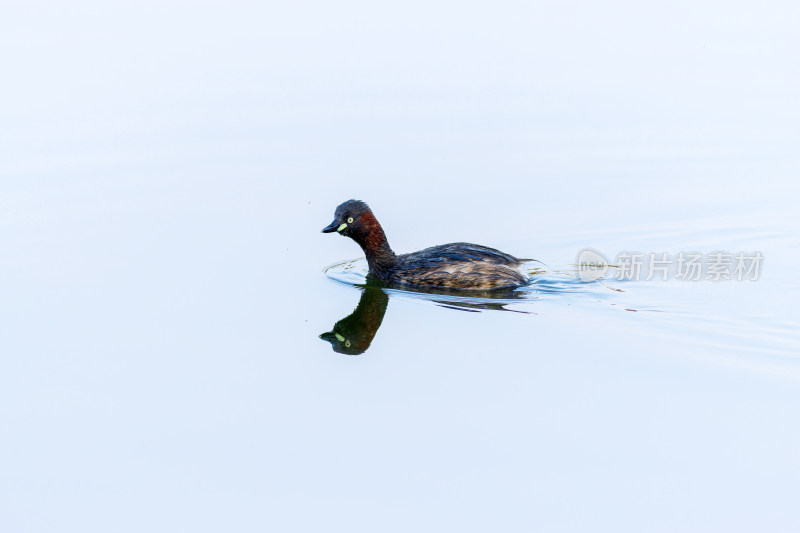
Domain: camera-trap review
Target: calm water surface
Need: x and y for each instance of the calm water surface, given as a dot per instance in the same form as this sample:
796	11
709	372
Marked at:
169	358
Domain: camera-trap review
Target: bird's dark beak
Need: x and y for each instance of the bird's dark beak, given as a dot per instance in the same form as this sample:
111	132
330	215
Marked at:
330	228
330	337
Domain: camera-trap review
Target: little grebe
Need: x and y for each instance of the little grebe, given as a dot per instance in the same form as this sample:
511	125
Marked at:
459	265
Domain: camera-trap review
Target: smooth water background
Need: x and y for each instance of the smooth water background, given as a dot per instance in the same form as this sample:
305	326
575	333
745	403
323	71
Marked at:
166	169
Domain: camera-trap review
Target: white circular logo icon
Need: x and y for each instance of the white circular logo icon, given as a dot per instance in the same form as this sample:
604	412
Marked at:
592	264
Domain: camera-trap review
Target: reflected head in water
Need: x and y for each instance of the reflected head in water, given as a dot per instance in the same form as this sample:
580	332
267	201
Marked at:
353	334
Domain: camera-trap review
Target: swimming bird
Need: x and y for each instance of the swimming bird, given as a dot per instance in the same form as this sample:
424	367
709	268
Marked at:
459	265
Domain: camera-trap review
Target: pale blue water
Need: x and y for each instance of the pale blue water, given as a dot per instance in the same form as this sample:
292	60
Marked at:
165	173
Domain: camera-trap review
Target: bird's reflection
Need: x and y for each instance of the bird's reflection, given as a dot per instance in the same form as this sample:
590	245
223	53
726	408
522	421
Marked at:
354	333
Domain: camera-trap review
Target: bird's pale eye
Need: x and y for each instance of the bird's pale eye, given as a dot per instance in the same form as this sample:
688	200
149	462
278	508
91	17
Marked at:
350	220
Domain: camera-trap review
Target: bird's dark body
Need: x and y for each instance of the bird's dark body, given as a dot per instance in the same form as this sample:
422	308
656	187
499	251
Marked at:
458	265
